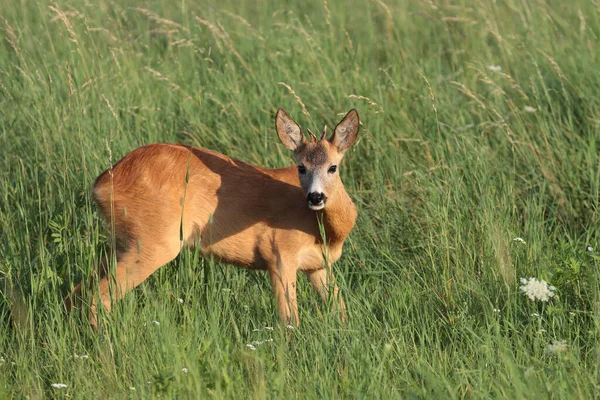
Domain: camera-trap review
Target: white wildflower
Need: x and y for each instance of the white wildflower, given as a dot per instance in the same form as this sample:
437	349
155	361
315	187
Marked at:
58	385
266	328
251	347
529	372
537	290
82	357
268	341
496	310
520	240
256	343
465	127
556	347
495	68
590	249
184	370
132	388
535	314
156	323
180	300
530	109
290	326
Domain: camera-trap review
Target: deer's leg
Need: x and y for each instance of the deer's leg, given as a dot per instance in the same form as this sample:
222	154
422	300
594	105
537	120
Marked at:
74	300
322	280
133	267
284	287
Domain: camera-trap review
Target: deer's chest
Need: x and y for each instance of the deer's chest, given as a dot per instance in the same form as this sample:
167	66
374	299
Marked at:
314	257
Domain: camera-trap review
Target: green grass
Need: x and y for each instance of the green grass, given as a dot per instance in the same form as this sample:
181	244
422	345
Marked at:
448	169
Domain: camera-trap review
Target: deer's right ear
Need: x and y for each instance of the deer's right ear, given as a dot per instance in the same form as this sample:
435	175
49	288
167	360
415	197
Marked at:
288	131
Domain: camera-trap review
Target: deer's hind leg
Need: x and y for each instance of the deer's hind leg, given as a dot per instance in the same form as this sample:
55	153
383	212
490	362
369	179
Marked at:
133	267
141	250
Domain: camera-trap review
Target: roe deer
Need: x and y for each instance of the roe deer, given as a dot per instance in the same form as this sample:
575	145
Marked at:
162	197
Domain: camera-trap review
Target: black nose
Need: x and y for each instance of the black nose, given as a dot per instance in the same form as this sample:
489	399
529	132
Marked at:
315	197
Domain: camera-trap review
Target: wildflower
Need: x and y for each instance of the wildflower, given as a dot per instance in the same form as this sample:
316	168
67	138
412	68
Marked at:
556	347
537	290
465	127
266	328
535	314
496	310
256	343
184	370
132	388
290	326
520	240
180	300
58	385
268	340
590	249
156	323
530	109
251	347
495	68
82	357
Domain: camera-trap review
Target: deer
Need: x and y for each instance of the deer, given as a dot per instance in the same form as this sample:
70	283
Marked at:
162	197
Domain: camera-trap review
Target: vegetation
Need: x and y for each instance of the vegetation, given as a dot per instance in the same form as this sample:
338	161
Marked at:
481	124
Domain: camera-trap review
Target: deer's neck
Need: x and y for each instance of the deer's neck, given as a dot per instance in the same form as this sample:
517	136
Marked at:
338	217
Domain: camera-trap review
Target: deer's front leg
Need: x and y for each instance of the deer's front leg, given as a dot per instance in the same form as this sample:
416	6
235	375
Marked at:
322	280
284	287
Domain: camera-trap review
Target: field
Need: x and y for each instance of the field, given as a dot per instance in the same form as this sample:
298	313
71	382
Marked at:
481	125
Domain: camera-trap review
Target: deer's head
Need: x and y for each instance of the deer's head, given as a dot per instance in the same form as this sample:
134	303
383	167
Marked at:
318	160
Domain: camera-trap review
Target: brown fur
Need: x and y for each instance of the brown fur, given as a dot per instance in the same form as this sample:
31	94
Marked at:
162	197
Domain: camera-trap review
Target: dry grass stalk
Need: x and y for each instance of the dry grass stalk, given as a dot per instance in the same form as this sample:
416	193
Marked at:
298	99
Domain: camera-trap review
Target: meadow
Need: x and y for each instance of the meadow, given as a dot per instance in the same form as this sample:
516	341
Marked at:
480	125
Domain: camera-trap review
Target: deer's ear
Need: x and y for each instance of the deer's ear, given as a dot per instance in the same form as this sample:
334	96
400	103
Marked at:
288	131
346	131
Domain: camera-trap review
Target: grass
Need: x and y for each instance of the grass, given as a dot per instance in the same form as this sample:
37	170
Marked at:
455	160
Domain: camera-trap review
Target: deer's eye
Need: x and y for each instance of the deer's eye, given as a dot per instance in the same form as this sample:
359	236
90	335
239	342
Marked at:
301	169
332	169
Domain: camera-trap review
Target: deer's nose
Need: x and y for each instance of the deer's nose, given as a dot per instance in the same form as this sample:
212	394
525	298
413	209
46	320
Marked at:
315	197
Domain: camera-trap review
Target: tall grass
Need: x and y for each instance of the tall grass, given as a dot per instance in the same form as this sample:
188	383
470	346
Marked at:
481	123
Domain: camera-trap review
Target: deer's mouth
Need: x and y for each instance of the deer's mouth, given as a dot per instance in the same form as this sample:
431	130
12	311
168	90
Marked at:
316	207
316	200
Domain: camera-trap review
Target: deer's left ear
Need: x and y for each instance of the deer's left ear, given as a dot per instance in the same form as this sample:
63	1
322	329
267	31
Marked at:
288	131
346	131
